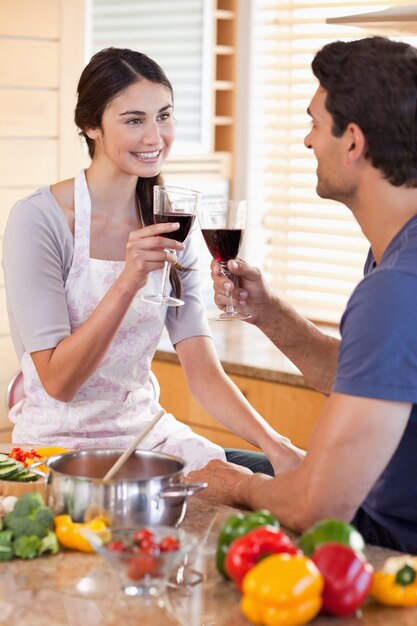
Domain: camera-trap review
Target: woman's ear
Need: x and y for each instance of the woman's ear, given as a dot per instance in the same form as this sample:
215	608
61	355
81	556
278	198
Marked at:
92	133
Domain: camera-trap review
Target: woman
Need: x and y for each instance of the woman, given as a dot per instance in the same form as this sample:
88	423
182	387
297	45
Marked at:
88	251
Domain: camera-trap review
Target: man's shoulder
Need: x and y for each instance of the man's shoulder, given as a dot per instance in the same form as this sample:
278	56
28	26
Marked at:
385	298
385	282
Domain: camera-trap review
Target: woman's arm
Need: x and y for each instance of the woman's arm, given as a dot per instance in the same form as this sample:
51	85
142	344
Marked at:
222	399
37	252
64	368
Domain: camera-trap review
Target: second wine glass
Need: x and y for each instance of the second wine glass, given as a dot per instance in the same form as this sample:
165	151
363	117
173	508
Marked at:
222	224
173	204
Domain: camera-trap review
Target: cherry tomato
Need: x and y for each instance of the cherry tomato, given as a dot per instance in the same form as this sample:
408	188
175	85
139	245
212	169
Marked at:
142	534
141	565
148	546
117	546
169	544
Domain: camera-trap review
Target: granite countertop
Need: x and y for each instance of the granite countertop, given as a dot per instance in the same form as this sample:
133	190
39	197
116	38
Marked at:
244	350
73	589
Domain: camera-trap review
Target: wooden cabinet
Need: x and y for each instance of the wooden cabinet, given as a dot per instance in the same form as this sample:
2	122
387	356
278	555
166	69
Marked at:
41	51
291	410
224	51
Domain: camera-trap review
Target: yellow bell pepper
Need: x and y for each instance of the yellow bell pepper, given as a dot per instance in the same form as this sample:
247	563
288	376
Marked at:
69	533
282	590
396	583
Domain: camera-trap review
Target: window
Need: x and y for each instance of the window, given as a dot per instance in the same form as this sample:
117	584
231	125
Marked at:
312	249
178	36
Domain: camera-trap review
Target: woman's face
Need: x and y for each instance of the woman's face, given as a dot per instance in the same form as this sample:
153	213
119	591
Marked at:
137	129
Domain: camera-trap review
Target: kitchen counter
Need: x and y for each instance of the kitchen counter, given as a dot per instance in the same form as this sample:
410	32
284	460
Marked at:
57	590
245	351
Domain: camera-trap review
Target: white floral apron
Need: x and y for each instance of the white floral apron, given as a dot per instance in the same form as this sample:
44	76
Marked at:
117	401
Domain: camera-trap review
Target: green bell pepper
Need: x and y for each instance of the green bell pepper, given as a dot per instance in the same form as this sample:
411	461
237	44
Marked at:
237	526
334	531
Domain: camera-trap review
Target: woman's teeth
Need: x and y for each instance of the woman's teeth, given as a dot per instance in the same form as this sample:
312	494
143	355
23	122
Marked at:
147	155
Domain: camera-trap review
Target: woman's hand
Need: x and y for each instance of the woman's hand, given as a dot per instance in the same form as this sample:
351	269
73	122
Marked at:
251	295
146	251
284	455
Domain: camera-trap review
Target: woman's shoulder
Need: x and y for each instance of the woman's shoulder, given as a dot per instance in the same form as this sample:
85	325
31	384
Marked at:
63	194
41	204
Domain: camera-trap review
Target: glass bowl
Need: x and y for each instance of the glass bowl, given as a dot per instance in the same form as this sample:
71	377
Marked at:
144	558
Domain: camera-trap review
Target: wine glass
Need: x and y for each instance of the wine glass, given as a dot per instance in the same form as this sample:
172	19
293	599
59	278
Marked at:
172	204
222	224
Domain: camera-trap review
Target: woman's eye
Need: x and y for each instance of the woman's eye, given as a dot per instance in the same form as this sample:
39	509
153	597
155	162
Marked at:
164	117
135	121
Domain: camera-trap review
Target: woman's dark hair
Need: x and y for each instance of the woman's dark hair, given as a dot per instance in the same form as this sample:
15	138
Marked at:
107	75
373	83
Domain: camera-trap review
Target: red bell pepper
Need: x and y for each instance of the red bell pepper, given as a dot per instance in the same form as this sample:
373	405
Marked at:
347	578
246	551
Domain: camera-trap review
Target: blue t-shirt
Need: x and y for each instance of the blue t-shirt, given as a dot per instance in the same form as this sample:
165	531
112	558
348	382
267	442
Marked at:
378	359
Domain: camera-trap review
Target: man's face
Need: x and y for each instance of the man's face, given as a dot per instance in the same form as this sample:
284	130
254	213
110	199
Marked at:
332	176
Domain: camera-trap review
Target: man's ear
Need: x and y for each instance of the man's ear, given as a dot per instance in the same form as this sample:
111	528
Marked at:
355	141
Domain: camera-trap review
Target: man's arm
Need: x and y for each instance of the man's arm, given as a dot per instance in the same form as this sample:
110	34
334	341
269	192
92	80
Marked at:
352	444
312	351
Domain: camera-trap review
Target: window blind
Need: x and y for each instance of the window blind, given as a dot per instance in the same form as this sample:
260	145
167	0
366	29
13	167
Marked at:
312	249
177	35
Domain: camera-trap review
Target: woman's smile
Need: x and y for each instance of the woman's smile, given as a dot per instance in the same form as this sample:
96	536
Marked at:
148	156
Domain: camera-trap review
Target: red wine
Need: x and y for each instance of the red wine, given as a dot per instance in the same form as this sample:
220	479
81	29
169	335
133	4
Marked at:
185	220
222	243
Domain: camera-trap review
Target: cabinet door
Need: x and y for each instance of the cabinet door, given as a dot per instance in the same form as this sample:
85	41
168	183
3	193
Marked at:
291	410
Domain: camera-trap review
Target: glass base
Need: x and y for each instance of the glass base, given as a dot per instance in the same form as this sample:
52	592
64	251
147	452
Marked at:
229	317
163	300
185	577
148	588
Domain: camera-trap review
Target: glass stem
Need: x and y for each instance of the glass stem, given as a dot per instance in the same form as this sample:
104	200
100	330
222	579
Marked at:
229	298
165	277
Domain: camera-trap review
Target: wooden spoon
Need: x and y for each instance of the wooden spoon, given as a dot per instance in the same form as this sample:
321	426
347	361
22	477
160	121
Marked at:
126	454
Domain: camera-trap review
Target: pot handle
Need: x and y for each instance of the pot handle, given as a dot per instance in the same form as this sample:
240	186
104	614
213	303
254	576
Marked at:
32	468
183	490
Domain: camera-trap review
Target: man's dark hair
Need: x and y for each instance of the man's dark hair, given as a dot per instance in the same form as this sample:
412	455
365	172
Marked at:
373	83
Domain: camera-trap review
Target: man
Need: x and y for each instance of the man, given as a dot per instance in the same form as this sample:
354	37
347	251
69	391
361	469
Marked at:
361	465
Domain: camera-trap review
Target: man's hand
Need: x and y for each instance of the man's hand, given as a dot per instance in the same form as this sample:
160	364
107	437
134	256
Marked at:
226	482
312	351
250	294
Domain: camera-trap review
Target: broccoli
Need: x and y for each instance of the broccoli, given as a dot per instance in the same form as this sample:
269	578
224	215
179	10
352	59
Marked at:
49	544
27	547
6	547
28	531
29	517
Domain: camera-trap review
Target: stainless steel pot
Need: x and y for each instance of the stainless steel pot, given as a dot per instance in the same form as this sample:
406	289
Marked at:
148	489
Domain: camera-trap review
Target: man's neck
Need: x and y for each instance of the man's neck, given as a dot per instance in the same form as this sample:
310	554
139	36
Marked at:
381	210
